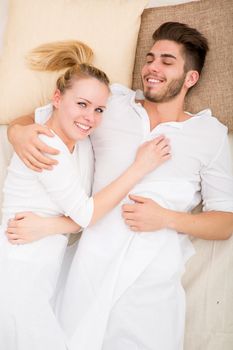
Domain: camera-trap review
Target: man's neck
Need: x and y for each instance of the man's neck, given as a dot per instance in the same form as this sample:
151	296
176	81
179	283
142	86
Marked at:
171	111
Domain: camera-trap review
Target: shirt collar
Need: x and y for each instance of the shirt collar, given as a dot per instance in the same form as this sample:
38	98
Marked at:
138	95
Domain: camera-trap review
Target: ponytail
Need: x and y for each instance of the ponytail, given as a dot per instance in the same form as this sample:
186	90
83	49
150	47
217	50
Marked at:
74	55
59	55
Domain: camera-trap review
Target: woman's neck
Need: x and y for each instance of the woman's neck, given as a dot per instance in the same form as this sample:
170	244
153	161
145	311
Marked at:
53	124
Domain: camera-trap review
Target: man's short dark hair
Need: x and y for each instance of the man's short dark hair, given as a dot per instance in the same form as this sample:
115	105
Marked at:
195	45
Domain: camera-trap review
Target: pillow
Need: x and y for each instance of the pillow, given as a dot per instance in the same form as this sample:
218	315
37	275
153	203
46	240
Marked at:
156	3
214	19
110	28
3	19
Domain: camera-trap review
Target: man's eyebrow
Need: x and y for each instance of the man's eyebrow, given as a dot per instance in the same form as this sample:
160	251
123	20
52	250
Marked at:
168	55
151	54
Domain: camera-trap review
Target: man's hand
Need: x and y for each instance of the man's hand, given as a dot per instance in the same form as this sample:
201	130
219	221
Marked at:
28	146
147	215
144	214
26	227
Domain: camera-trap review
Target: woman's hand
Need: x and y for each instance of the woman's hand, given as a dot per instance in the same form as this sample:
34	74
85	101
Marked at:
28	146
153	153
26	227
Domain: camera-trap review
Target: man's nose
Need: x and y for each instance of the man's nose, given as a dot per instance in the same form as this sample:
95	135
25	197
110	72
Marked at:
155	66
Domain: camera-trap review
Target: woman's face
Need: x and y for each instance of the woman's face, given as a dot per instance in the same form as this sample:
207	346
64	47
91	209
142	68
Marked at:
78	111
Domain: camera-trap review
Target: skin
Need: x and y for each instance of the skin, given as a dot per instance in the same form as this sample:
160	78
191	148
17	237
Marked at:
161	76
77	113
164	68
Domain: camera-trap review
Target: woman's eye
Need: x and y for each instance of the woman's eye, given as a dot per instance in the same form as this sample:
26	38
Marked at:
99	110
82	104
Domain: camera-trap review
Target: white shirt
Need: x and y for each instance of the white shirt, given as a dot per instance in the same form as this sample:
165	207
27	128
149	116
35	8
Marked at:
199	169
62	191
110	257
200	166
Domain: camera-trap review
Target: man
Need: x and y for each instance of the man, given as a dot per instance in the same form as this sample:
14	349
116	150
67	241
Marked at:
123	291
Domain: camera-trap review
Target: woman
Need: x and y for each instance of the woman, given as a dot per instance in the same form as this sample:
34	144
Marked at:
29	272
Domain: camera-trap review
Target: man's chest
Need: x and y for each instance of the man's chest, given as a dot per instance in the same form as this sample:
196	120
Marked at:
115	146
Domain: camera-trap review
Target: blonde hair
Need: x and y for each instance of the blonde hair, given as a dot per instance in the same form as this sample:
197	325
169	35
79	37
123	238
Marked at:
58	55
71	54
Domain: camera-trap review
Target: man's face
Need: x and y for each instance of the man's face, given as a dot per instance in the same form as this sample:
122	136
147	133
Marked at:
163	74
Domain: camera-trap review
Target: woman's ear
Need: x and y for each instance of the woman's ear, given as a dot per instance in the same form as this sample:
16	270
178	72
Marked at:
191	79
56	98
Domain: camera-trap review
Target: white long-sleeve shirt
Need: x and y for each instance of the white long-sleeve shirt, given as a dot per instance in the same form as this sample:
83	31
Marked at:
63	191
110	257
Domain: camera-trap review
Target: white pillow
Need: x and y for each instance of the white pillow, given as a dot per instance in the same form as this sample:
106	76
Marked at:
3	20
110	28
157	3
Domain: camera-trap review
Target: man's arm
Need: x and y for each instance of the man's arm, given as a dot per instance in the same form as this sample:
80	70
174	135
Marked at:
23	135
28	227
147	215
216	220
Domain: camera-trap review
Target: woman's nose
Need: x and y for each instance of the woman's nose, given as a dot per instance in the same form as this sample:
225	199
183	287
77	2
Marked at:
89	115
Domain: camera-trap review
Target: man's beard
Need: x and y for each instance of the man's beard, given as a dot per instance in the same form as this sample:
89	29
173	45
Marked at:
172	90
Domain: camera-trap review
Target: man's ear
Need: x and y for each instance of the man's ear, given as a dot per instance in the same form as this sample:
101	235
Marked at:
56	98
191	79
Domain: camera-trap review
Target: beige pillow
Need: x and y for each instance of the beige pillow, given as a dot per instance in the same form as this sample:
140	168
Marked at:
213	18
109	27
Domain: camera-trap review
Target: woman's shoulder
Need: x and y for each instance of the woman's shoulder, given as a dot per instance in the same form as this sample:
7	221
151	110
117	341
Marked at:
55	142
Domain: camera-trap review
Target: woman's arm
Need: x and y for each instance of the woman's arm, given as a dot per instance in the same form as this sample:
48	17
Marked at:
64	187
67	192
23	135
149	156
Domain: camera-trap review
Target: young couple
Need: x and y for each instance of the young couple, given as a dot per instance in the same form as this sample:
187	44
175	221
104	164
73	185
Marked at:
123	289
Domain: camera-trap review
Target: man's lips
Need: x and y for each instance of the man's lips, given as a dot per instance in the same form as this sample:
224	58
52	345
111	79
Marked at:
153	81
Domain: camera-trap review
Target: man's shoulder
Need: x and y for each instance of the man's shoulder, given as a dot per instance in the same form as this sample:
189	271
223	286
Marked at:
209	122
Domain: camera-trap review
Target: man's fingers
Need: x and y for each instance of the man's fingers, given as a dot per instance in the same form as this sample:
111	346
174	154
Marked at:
30	165
127	215
134	228
12	235
34	161
129	208
42	129
11	225
21	215
17	241
137	199
42	147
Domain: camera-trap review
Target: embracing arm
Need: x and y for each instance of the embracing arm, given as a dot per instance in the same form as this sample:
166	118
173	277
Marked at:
212	225
69	195
28	227
146	215
23	135
216	220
